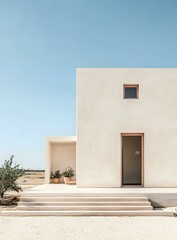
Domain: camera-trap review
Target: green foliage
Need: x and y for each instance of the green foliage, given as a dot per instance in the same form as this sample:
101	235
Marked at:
55	174
9	173
69	172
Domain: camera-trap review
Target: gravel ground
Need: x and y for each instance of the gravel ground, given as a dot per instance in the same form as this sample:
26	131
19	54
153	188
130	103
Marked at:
88	228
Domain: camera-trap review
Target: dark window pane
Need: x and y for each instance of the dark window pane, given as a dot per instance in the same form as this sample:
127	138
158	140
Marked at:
130	92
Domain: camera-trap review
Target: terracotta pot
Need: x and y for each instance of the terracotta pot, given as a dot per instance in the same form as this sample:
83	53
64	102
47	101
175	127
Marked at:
67	179
55	180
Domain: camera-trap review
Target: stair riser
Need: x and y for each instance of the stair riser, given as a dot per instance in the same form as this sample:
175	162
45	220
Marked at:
83	204
80	199
83	208
70	194
94	213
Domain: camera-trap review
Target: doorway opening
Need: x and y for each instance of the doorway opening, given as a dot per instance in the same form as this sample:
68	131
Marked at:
132	159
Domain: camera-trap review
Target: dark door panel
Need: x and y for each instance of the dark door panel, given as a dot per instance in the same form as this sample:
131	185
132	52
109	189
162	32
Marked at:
131	160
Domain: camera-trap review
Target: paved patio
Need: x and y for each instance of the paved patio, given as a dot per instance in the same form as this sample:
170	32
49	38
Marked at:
74	189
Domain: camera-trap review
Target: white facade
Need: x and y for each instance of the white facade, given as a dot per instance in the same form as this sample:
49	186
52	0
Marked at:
103	116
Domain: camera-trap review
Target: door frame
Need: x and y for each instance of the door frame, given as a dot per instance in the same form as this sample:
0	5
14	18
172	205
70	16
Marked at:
142	156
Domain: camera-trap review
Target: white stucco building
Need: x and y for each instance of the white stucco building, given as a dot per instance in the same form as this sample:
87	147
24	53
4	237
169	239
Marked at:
126	129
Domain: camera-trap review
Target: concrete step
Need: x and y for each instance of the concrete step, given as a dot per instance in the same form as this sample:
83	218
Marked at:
83	208
75	194
89	213
83	204
108	203
81	199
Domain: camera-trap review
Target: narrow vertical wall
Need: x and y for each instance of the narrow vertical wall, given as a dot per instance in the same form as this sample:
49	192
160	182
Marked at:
48	162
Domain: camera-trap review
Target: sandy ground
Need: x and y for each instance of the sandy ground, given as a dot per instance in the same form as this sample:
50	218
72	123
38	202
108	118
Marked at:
88	228
32	178
29	180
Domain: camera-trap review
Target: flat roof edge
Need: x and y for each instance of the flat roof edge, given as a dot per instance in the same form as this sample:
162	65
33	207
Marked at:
55	139
114	68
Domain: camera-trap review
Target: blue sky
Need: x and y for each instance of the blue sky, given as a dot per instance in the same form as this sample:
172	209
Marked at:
43	41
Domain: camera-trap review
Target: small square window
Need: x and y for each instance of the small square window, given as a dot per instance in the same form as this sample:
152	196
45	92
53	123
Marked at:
131	91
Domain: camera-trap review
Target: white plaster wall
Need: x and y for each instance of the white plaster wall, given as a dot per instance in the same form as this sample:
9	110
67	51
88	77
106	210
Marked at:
60	153
103	114
63	155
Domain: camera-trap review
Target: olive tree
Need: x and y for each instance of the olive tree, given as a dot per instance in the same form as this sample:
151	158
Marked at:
9	173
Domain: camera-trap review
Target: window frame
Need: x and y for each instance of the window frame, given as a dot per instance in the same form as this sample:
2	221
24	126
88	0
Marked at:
131	86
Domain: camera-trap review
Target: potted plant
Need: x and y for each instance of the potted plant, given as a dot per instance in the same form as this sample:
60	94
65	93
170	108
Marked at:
55	176
68	174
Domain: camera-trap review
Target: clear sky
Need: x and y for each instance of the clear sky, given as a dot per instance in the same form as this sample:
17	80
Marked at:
42	42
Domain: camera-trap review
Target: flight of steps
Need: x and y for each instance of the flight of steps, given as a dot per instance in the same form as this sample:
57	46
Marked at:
83	204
